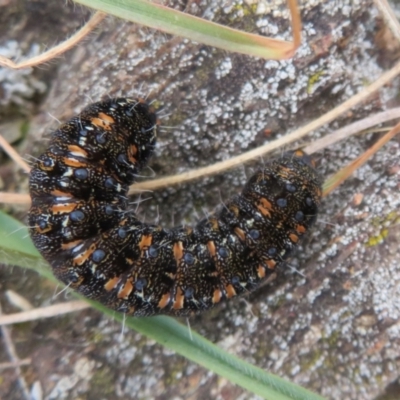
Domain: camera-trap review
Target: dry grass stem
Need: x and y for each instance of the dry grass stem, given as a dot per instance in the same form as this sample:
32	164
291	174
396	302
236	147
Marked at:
59	49
353	129
389	17
337	179
14	155
267	148
10	349
20	363
332	138
44	312
18	301
14	198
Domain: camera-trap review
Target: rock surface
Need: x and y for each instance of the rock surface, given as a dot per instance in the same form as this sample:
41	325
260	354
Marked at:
335	329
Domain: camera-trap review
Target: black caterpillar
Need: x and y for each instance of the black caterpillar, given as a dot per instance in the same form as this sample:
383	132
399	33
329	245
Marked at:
80	224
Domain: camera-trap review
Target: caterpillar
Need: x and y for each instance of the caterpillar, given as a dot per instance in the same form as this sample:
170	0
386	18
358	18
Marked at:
80	224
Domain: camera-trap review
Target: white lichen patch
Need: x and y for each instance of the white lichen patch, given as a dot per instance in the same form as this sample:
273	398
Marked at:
224	68
18	86
77	382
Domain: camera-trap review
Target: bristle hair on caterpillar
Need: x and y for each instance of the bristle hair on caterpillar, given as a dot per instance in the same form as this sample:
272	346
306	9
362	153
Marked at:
79	189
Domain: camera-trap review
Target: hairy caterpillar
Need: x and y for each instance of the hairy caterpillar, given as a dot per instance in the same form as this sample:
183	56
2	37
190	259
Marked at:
79	224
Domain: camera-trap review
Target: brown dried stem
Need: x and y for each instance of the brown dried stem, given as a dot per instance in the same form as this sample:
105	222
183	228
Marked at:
9	345
59	49
267	148
44	312
14	155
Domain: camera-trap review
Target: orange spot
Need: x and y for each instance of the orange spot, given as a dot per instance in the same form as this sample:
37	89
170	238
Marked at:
266	204
265	207
299	153
72	162
217	296
145	241
230	291
44	168
126	290
294	238
77	283
357	199
179	299
214	224
132	150
240	233
106	118
112	283
300	228
47	229
178	251
77	150
60	193
122	222
284	169
99	123
102	121
234	209
81	258
63	208
271	264
261	271
71	245
211	248
267	132
263	210
164	301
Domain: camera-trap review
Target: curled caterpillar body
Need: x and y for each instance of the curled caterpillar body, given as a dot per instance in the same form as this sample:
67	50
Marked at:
78	189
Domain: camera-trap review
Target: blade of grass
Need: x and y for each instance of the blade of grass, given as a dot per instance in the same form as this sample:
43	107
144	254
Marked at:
178	23
16	247
196	348
166	331
14	237
337	179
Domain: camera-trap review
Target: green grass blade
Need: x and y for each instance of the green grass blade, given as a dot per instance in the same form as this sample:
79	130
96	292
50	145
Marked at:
177	23
193	346
14	236
17	249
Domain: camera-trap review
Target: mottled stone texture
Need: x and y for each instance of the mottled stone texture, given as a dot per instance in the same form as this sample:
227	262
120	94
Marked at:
333	328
